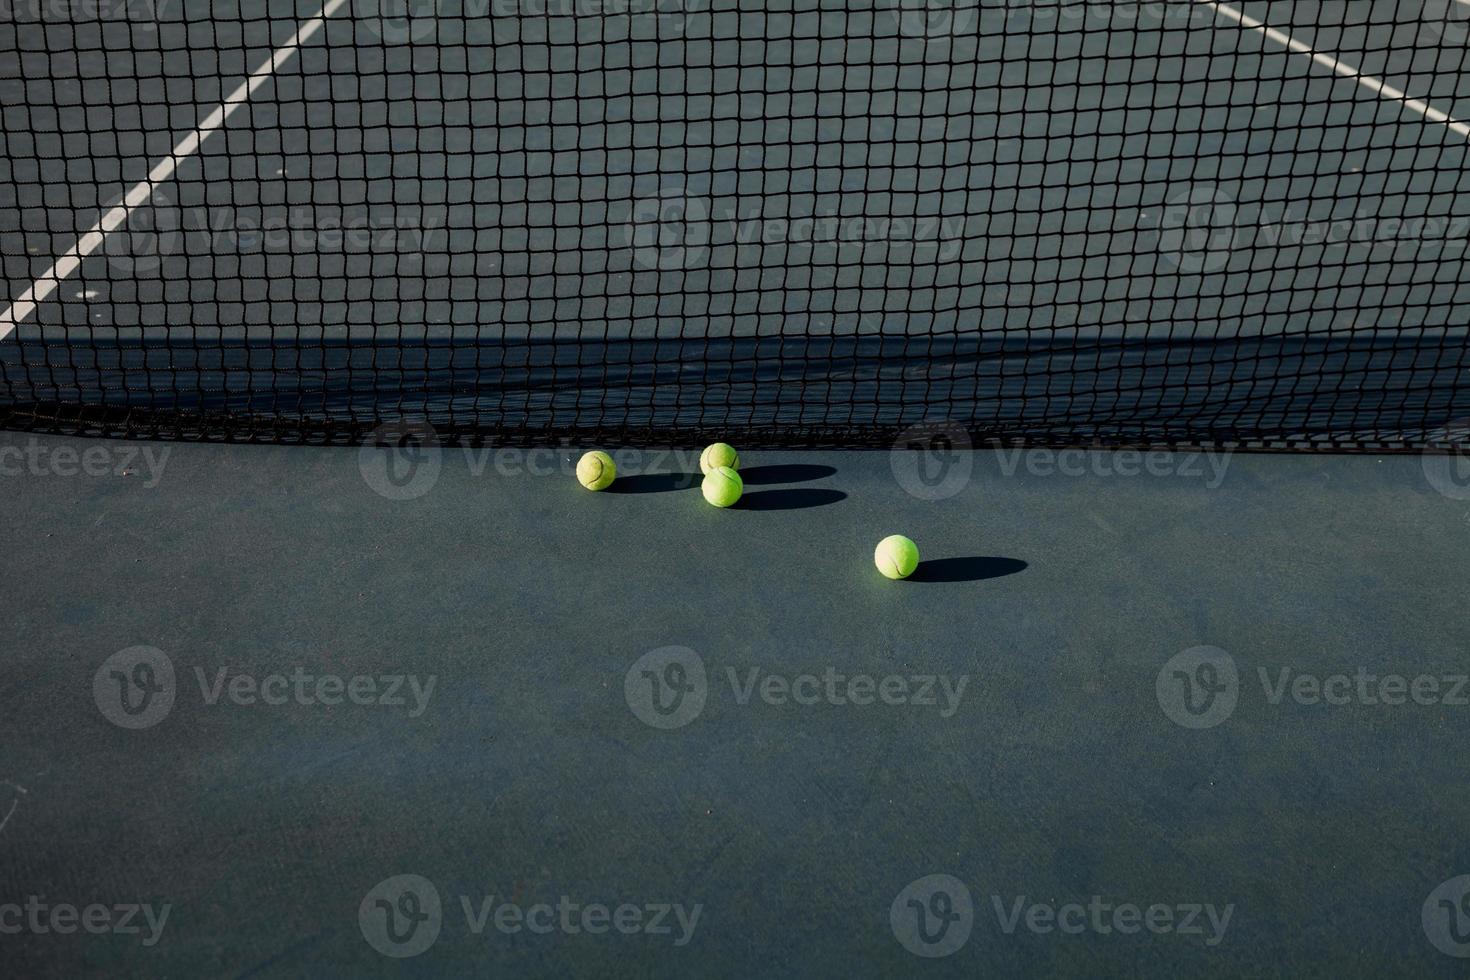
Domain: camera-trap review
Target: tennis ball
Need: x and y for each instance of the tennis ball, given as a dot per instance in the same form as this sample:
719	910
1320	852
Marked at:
723	486
896	556
596	471
720	454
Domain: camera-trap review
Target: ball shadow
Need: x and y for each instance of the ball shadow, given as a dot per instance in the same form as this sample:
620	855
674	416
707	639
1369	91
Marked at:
972	569
654	483
789	499
757	476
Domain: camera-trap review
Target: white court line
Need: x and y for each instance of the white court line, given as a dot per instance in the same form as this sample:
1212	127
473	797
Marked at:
47	282
1379	88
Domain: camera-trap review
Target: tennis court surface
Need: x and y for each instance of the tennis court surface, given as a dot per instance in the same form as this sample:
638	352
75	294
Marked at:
1033	743
1146	322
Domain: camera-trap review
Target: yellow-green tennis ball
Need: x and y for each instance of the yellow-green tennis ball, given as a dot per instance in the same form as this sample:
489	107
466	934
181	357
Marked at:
596	471
896	556
720	454
722	486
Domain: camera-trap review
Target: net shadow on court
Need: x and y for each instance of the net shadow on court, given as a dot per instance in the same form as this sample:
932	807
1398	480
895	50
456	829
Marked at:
1344	393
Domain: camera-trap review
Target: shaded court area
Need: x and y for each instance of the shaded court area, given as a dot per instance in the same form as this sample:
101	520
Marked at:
325	712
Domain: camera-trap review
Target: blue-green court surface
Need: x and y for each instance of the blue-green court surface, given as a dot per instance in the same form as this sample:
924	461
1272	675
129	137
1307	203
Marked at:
260	685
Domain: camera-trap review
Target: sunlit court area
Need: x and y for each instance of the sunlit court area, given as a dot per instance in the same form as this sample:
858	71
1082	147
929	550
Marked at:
683	488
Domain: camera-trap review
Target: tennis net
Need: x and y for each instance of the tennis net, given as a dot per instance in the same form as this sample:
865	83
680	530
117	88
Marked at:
1172	223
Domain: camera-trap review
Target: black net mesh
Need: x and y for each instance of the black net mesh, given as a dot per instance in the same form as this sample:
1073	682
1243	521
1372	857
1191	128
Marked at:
1147	223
